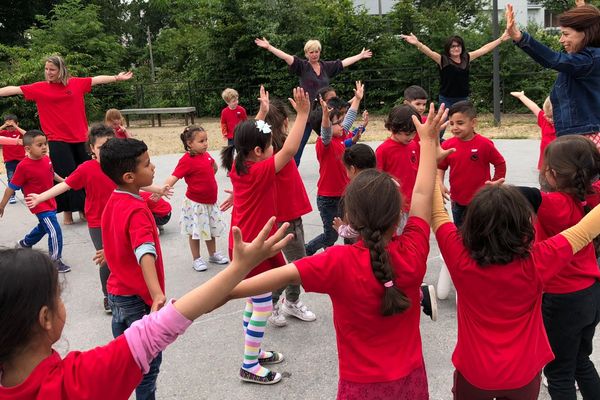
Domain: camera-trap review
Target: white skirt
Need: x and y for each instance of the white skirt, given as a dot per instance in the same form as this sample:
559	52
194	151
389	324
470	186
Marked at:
201	221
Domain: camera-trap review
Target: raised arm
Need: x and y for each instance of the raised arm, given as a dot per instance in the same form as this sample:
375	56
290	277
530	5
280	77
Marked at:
486	48
263	99
364	53
352	112
102	79
10	91
584	231
534	108
301	104
326	132
412	39
264	43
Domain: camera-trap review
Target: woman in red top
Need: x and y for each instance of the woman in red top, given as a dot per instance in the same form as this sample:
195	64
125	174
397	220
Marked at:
61	108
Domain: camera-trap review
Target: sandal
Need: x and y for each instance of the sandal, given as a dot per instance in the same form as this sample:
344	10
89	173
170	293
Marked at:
269	379
275	358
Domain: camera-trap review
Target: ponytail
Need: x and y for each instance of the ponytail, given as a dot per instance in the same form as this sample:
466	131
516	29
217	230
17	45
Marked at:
227	153
247	136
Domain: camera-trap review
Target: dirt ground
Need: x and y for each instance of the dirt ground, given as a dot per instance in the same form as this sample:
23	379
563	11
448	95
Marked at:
165	139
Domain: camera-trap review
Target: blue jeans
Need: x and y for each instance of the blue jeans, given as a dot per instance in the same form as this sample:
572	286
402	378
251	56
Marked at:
48	225
449	102
328	209
458	213
305	137
125	311
10	166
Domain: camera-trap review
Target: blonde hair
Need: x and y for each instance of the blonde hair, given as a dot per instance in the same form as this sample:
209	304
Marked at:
63	72
547	107
229	94
312	45
111	115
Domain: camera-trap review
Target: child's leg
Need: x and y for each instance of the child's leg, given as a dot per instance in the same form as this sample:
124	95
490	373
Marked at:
254	332
328	209
194	247
96	236
214	227
35	235
55	239
458	213
211	246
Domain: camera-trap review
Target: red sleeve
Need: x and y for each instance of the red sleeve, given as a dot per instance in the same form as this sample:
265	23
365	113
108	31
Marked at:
452	248
182	168
141	228
77	179
320	273
540	119
554	212
110	370
551	255
83	84
244	115
444	164
380	159
498	162
32	91
412	244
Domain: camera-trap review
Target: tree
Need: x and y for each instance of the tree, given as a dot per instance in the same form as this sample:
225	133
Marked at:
18	16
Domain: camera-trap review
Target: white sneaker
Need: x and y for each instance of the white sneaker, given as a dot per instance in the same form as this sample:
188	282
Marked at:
298	310
277	318
218	258
199	264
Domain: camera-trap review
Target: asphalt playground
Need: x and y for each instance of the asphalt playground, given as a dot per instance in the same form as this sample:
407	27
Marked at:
204	362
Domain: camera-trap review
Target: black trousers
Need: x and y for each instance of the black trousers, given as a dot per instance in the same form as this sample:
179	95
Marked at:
570	320
65	158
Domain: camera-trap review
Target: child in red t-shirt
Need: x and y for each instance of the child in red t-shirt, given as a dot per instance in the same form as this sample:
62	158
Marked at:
416	97
470	163
500	274
373	283
231	115
201	218
12	153
333	179
35	174
160	208
544	121
31	369
114	119
253	174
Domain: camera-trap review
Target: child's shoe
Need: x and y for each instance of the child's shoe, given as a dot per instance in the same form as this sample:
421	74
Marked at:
269	379
199	265
277	318
298	310
218	258
21	245
107	308
62	267
12	200
274	358
428	301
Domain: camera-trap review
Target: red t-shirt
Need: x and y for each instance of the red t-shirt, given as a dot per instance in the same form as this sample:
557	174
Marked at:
12	152
160	207
98	188
371	347
61	108
558	212
333	178
470	166
199	175
402	162
230	118
254	202
289	186
127	223
35	176
502	343
548	135
120	132
107	372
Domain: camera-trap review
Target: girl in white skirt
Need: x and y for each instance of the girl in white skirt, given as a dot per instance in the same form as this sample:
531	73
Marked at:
200	218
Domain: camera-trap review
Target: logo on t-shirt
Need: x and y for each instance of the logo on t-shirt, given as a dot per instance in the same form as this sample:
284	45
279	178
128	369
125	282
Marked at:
413	157
474	155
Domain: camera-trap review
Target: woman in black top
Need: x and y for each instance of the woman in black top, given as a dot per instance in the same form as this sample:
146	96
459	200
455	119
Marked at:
454	65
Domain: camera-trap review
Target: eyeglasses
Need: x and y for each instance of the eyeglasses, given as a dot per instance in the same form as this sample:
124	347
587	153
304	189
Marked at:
339	122
455	46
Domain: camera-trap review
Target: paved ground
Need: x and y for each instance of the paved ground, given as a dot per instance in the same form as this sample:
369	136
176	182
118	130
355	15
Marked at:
204	362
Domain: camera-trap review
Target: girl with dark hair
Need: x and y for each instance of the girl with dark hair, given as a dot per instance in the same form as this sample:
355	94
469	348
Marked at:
32	316
61	108
374	284
494	261
575	95
201	218
253	173
454	64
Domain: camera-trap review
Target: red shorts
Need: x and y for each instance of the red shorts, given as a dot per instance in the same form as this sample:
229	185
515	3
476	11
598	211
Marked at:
411	387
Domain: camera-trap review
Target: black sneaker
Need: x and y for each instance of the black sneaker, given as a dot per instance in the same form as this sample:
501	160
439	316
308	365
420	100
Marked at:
62	267
107	308
21	245
429	302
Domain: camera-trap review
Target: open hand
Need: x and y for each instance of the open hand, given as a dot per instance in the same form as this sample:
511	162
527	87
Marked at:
411	39
228	202
337	222
359	91
518	95
263	99
124	76
264	43
365	53
434	124
99	257
511	25
301	101
32	200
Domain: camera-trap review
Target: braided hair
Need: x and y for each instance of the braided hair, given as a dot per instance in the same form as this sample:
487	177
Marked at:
372	205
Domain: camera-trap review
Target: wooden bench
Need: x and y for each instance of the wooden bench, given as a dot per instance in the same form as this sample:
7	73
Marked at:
188	112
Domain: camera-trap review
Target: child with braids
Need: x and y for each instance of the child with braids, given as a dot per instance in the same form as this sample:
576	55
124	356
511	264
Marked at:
571	302
201	218
253	174
374	284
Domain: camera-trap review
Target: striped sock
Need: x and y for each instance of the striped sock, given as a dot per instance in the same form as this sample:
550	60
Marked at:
262	305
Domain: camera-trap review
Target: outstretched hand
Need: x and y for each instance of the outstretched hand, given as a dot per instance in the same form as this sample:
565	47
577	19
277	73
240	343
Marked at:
263	99
436	121
359	91
32	200
124	76
228	202
518	95
301	101
511	26
264	43
248	255
365	53
411	39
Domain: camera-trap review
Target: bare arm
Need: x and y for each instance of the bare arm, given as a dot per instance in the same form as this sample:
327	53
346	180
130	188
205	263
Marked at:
263	99
33	199
148	265
534	108
488	47
102	79
267	282
365	53
264	43
301	104
8	193
171	181
412	39
441	174
10	91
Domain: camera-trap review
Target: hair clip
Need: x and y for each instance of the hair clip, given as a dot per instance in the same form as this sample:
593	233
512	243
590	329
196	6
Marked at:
583	203
389	284
263	127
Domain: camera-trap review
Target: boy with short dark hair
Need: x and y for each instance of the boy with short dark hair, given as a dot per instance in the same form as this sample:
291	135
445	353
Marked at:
416	97
470	163
35	175
12	154
231	115
136	285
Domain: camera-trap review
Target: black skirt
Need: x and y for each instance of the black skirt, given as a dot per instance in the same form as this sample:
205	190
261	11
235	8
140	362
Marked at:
65	158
